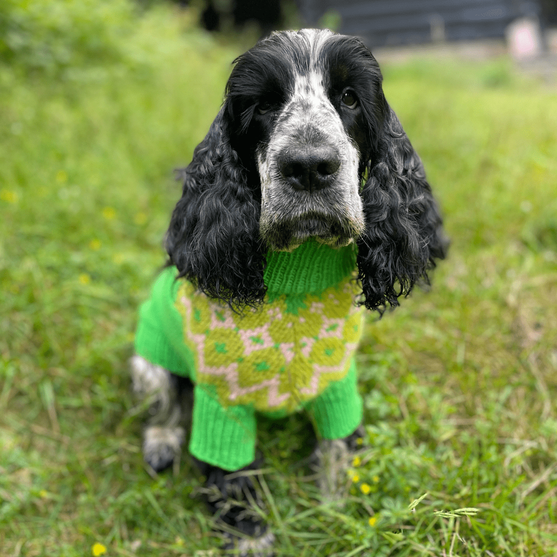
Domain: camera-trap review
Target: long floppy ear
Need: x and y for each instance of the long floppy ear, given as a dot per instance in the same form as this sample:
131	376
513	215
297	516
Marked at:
213	237
404	234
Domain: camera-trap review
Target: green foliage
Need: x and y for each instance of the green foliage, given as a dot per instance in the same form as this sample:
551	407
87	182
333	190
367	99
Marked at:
87	39
459	453
56	34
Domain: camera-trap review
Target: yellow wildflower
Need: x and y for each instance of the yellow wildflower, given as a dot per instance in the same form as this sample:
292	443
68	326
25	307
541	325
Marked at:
84	278
359	441
43	493
95	244
98	549
372	520
365	489
8	196
61	177
355	478
109	213
356	462
375	479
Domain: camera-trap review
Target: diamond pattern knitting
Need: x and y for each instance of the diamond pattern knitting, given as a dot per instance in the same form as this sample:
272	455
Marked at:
275	358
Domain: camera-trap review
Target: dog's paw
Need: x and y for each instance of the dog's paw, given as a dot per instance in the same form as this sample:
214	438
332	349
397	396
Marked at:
261	546
238	510
161	445
331	461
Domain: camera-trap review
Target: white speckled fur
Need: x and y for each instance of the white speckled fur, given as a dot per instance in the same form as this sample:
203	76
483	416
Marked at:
148	379
307	112
163	435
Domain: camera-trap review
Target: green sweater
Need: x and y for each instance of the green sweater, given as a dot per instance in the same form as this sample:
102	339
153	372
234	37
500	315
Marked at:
294	352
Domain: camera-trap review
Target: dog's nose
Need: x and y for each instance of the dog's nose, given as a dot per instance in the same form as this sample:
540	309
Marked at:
309	169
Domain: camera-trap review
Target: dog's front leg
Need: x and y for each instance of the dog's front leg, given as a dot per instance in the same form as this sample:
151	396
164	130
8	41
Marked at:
226	437
164	432
330	462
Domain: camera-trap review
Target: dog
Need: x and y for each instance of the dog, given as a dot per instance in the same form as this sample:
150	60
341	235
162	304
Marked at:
304	205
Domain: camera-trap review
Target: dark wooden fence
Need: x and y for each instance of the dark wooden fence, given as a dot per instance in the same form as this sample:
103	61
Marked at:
396	22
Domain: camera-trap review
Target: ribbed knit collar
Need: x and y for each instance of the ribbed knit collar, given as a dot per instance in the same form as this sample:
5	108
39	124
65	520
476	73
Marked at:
310	268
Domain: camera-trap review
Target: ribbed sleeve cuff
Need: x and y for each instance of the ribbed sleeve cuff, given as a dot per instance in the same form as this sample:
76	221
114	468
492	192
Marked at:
223	437
339	410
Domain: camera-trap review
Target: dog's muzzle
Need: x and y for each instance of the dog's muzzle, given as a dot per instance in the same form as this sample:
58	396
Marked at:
309	178
310	192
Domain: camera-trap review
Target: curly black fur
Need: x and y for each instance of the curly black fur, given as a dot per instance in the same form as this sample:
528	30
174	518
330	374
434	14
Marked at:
404	234
214	238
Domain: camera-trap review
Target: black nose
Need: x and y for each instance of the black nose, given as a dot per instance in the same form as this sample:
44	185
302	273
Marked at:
309	169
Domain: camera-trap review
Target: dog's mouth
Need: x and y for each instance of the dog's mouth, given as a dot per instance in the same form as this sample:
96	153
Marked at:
291	233
320	229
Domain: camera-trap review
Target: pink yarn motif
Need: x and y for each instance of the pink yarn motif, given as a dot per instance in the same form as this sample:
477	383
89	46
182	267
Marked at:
285	373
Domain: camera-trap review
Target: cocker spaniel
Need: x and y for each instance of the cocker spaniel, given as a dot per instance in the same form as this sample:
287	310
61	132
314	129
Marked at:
304	205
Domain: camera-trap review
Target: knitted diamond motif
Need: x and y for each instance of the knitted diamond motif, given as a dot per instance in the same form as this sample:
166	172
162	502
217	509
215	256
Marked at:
276	357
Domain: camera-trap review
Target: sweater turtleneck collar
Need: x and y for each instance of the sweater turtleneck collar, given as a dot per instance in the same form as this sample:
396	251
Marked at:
310	268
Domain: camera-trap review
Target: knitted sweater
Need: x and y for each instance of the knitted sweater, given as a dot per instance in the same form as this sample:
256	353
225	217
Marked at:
294	352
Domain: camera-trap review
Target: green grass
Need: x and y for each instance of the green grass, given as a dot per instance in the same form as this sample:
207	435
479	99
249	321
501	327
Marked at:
459	382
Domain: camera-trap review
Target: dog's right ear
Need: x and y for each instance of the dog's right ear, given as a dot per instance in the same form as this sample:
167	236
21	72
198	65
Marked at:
213	238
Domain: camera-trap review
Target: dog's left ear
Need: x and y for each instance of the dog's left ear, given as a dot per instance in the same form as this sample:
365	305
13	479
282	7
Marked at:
404	234
213	237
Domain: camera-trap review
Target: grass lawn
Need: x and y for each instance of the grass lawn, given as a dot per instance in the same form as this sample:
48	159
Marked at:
459	383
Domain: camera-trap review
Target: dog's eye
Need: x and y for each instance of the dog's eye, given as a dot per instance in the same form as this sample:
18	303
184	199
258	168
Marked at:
263	107
349	99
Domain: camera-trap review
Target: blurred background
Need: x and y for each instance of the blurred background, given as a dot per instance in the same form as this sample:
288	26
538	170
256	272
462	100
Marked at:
385	23
100	102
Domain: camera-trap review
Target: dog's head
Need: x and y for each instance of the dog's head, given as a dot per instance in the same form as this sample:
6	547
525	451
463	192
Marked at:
305	146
